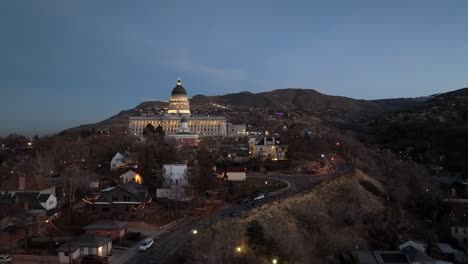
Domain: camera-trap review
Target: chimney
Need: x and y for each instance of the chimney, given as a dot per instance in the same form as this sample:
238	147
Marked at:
21	182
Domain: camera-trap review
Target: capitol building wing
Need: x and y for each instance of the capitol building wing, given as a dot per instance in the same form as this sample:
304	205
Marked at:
178	109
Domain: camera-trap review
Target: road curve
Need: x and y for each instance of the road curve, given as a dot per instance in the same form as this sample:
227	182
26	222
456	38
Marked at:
167	243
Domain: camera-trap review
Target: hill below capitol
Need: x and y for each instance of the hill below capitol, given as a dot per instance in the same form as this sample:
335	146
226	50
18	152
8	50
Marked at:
280	100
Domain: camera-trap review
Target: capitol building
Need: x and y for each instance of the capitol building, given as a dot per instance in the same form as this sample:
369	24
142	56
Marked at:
179	110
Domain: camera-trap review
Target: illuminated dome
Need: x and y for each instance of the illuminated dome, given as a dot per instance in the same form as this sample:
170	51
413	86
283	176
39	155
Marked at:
179	89
179	102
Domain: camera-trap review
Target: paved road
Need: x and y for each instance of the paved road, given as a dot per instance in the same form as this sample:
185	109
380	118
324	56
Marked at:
168	242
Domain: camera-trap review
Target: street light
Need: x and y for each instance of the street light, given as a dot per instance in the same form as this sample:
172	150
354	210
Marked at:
274	261
194	231
323	155
238	249
266	182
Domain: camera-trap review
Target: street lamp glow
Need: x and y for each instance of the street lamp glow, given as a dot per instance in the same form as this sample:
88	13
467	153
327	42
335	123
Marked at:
274	261
266	182
323	155
194	231
238	249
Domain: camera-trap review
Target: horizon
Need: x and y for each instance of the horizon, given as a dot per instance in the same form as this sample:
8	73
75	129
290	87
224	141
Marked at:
145	100
72	63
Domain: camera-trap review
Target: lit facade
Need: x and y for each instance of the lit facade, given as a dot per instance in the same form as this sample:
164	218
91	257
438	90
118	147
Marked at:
184	137
179	102
179	109
267	148
236	130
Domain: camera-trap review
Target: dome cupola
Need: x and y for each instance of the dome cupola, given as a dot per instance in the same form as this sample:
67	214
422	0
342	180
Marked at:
179	89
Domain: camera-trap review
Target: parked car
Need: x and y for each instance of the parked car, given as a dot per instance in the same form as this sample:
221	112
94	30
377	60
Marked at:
5	259
146	244
259	197
92	259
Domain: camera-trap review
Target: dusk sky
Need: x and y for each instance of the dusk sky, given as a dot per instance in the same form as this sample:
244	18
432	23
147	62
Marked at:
66	63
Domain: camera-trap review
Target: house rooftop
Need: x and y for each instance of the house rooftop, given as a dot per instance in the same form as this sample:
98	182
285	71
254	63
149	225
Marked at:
30	198
390	257
129	173
236	169
43	197
107	189
106	224
32	183
446	248
85	240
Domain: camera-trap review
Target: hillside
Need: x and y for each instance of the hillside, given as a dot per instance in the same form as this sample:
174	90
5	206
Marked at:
435	132
341	215
306	99
334	107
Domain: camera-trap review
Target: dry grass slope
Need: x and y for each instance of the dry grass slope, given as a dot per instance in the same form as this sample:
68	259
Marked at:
308	227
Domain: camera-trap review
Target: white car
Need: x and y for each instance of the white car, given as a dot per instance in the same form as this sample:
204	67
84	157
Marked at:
259	197
146	244
5	259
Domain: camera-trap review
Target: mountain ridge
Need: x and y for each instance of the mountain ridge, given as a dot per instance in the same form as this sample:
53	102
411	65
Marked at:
286	99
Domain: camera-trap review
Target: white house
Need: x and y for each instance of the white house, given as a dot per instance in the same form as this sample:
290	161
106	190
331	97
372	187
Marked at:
267	148
130	176
235	174
117	162
175	174
84	245
459	231
35	200
175	183
47	200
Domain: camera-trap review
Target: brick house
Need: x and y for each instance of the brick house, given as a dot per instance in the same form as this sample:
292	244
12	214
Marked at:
114	229
84	245
125	201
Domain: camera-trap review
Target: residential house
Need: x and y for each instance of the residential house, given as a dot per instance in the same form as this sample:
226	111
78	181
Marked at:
267	148
117	162
415	251
175	174
447	252
175	183
121	202
26	183
459	231
236	130
114	229
130	176
36	201
84	245
16	225
235	174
